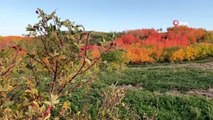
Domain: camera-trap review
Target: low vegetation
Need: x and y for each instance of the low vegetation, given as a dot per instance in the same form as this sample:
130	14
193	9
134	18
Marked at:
63	72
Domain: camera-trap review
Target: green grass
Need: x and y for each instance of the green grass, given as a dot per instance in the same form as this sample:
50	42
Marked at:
167	107
151	92
155	79
162	79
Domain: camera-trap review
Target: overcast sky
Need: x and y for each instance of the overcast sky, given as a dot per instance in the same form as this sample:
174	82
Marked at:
108	15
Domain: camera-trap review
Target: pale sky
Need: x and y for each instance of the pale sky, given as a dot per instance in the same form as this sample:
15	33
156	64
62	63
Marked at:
108	15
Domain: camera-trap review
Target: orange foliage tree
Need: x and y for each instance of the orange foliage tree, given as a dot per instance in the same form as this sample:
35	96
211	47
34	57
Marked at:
148	45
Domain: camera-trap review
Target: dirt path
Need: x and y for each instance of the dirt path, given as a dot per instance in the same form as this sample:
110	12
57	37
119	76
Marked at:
207	65
205	93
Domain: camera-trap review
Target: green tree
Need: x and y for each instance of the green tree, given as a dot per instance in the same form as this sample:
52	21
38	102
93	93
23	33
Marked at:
62	56
38	78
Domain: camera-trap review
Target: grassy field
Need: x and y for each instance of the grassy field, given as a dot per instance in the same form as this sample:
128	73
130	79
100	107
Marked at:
177	77
164	91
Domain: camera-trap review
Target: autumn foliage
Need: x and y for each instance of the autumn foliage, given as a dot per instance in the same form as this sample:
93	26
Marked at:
149	45
37	79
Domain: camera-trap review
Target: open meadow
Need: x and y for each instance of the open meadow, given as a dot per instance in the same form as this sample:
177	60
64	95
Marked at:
60	71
